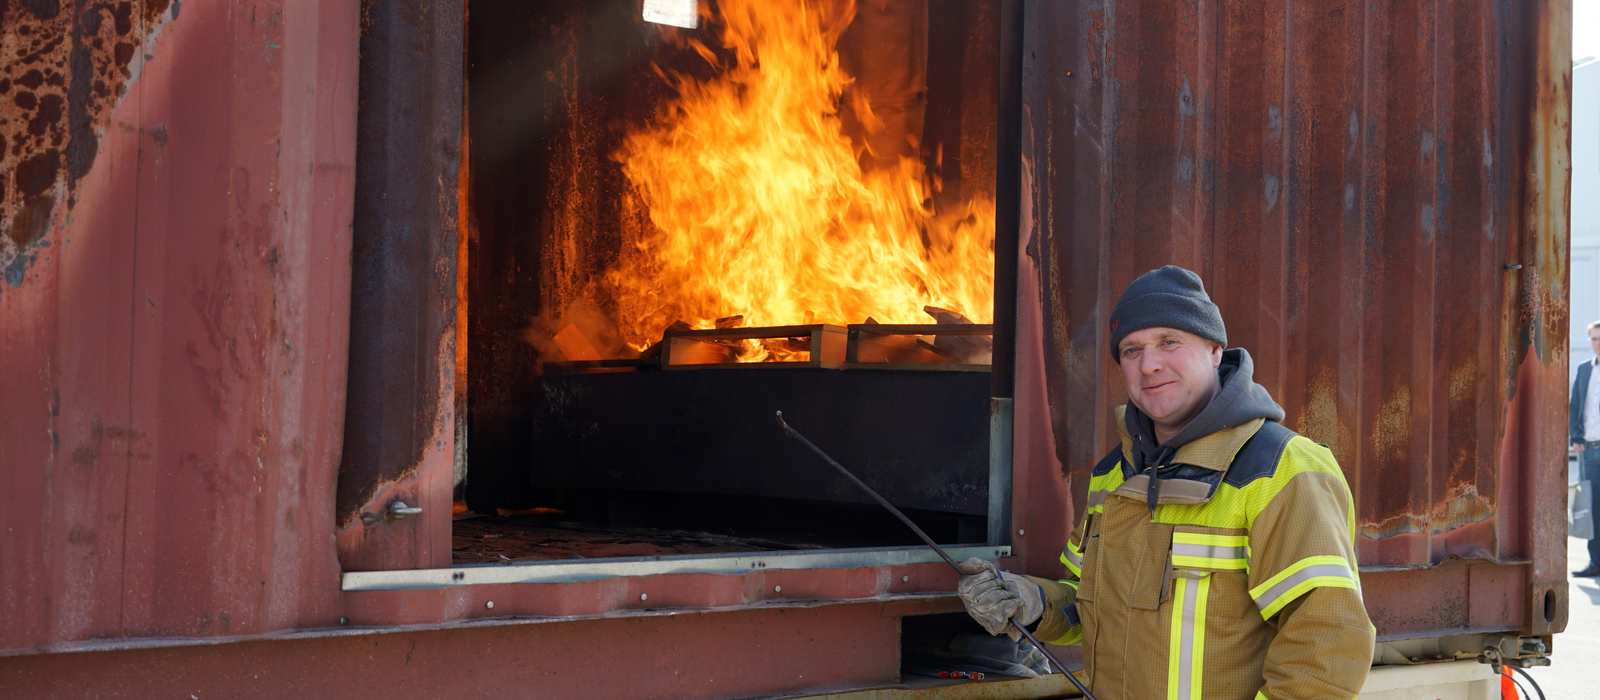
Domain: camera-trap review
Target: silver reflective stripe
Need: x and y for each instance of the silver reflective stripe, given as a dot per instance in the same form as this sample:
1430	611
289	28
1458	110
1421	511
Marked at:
1098	498
1208	551
1265	600
1074	557
1187	659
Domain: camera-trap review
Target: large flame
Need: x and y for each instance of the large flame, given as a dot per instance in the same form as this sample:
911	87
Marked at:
759	207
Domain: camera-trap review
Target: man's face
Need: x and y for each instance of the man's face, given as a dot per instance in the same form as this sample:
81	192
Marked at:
1594	340
1171	375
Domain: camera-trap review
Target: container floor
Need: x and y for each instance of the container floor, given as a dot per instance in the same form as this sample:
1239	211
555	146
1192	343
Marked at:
481	539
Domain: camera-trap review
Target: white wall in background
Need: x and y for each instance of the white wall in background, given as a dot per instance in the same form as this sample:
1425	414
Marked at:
1585	272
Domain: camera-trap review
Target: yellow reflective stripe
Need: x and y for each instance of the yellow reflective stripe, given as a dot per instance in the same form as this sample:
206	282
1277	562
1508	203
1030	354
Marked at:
1291	583
1198	660
1262	696
1074	636
1099	488
1096	501
1225	564
1187	638
1109	480
1074	633
1217	540
1235	508
1175	636
1205	551
1073	559
1103	485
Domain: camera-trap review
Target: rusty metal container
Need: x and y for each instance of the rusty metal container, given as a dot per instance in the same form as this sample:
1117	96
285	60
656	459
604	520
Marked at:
1374	196
228	328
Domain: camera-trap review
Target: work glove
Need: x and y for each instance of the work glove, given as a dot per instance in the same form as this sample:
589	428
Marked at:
994	598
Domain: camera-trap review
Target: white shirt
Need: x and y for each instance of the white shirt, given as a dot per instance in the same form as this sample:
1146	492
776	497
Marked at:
1591	405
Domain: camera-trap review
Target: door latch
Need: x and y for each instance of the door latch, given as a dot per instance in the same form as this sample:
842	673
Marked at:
399	509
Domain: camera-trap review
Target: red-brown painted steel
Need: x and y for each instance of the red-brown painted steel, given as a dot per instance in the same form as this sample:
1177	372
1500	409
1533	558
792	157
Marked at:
686	654
622	594
1457	596
173	362
1354	181
1351	178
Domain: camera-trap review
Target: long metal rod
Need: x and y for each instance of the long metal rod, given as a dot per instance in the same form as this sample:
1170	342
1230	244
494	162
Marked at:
1055	663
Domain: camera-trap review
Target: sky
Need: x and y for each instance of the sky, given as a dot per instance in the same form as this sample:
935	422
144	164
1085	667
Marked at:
1585	28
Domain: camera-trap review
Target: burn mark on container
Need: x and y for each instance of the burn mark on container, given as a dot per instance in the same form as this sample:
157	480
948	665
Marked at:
64	66
1450	527
81	535
87	454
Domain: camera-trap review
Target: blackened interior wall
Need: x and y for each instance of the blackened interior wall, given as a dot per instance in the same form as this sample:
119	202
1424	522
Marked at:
552	88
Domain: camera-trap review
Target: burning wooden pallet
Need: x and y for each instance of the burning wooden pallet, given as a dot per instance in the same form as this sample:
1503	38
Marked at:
948	347
952	345
821	345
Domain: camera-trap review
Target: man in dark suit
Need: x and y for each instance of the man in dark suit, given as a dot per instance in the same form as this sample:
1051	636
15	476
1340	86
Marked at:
1583	423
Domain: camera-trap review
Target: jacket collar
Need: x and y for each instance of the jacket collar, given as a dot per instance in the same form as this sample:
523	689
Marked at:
1213	452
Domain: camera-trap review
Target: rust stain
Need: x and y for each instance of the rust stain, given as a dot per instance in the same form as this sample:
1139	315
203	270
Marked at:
63	66
1390	262
1463	506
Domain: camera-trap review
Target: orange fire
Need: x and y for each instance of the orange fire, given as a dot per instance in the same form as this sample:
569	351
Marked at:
757	205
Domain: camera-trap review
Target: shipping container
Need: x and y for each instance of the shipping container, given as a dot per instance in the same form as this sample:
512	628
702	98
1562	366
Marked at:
286	407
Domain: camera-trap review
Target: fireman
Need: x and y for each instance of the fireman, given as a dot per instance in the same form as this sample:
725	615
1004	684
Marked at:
1215	557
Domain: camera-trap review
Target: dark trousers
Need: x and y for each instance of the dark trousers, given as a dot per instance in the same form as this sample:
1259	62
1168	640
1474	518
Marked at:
1591	473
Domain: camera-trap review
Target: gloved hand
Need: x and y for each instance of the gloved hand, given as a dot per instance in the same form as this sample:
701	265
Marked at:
994	598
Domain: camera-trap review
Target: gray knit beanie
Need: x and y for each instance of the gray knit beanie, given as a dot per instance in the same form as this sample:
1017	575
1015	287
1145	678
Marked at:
1170	297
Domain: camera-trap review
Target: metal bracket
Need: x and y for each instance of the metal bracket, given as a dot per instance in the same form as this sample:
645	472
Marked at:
1509	650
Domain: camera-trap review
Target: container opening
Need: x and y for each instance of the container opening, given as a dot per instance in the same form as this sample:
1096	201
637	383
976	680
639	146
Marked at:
672	233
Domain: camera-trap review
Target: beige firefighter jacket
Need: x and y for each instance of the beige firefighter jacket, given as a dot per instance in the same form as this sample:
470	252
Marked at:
1238	587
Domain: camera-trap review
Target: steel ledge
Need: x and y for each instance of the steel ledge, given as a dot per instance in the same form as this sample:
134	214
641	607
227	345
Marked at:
573	571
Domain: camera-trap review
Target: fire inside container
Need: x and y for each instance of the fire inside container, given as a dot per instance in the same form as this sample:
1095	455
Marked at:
800	187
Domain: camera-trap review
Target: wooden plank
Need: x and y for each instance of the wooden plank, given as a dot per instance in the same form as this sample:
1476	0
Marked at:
916	367
924	328
757	332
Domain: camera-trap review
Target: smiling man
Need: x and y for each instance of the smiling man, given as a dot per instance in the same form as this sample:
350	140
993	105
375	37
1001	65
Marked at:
1215	557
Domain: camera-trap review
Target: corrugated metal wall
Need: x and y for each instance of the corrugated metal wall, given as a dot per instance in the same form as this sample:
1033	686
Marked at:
1350	177
1355	180
172	357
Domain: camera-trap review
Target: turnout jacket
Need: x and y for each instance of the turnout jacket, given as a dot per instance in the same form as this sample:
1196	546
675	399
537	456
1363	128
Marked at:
1240	583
